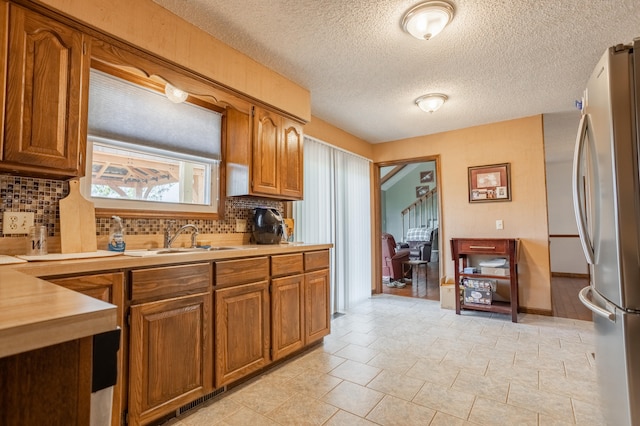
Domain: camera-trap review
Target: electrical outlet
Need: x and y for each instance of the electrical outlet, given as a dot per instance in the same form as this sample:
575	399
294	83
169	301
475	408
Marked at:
499	224
16	222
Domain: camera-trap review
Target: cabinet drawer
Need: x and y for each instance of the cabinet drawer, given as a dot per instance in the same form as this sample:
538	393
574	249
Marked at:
99	286
242	271
286	264
483	246
316	260
169	281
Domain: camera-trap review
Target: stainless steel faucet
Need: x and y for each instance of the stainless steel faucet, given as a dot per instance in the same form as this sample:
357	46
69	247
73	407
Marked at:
168	239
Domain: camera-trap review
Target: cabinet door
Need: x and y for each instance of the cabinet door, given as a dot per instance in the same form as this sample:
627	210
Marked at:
107	287
287	315
242	331
47	86
47	386
265	173
4	44
170	355
238	151
318	317
291	160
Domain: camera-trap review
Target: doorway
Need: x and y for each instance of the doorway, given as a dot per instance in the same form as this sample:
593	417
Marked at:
408	208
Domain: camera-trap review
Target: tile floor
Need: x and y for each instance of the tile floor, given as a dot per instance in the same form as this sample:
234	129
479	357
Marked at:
404	361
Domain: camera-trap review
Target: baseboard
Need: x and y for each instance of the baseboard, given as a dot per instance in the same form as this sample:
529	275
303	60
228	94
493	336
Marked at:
536	311
569	275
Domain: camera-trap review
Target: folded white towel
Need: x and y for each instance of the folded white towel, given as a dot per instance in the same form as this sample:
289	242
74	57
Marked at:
493	263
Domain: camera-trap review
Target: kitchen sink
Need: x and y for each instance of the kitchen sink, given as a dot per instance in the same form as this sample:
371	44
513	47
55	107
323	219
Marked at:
156	251
179	250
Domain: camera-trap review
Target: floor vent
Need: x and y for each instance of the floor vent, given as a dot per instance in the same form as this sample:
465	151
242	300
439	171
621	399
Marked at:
199	401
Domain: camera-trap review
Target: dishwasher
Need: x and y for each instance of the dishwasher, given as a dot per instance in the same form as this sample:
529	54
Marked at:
104	376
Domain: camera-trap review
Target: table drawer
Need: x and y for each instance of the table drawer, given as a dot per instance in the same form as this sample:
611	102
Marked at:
483	246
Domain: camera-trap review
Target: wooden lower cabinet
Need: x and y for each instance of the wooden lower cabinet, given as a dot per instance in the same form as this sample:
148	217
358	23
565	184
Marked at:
317	301
242	331
176	348
300	311
170	355
287	315
107	287
47	386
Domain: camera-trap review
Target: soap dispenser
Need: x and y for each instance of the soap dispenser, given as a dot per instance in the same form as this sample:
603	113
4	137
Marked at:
116	236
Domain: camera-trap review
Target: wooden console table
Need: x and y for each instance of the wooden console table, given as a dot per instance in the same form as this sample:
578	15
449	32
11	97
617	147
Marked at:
461	248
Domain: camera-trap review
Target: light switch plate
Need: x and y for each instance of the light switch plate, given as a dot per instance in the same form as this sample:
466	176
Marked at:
16	222
499	224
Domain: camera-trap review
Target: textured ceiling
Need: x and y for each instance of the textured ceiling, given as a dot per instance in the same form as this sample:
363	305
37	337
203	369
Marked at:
497	60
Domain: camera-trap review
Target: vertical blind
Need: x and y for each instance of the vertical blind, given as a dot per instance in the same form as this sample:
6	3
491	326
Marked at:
336	209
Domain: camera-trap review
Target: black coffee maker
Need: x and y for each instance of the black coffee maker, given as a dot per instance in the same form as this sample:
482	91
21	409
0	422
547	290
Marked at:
268	226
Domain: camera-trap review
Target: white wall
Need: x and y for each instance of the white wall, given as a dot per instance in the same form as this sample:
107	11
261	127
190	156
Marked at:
559	138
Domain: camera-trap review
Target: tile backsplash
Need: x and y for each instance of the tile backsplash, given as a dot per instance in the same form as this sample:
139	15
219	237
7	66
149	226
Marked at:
41	196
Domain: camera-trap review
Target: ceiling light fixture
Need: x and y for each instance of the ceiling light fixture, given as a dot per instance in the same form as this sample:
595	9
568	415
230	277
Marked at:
427	19
431	102
174	94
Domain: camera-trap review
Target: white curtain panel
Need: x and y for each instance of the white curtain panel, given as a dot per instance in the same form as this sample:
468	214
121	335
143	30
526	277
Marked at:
336	209
313	217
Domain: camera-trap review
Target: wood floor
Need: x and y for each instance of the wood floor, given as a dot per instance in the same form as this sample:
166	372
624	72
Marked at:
430	291
564	293
564	298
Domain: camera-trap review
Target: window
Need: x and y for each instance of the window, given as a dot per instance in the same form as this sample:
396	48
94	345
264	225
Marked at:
146	153
131	172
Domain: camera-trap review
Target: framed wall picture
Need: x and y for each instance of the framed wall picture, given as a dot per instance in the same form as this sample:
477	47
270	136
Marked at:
426	177
422	190
490	183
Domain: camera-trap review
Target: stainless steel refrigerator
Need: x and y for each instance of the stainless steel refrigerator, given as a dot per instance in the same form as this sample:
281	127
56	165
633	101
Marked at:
607	205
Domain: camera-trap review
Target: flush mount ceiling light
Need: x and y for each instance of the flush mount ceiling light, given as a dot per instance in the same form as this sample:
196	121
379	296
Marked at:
431	102
427	19
174	94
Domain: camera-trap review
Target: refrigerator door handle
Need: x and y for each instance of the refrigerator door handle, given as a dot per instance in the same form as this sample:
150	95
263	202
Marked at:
578	201
586	301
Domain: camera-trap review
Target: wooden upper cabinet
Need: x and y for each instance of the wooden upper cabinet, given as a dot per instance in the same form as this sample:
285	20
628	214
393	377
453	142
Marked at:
264	155
291	157
4	44
266	151
46	102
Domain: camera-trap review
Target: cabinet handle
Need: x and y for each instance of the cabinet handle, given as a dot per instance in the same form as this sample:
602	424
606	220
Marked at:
482	247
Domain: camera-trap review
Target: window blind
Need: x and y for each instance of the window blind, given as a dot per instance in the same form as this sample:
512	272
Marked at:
336	209
122	111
